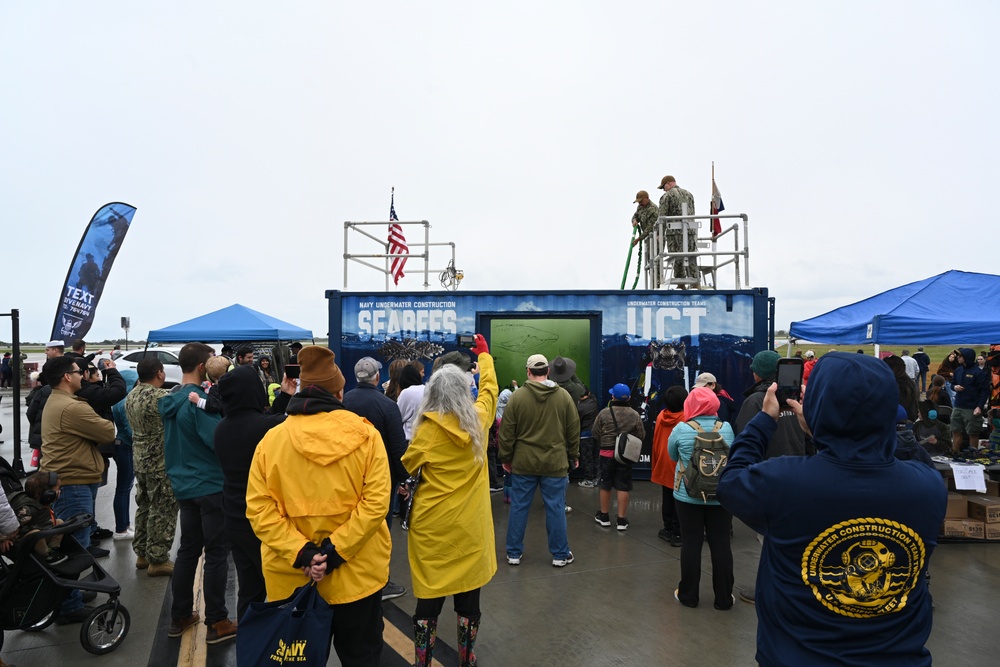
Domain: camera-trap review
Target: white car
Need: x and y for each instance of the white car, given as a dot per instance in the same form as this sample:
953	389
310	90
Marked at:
167	355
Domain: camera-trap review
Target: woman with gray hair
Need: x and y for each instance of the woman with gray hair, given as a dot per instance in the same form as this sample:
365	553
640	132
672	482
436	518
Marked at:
450	541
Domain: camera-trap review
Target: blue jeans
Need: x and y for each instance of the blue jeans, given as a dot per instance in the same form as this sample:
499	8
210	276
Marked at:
75	499
554	499
123	487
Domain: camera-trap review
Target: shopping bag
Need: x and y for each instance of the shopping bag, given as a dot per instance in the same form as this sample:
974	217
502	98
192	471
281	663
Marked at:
295	631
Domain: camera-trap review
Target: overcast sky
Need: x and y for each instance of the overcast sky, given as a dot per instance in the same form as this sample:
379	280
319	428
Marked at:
859	137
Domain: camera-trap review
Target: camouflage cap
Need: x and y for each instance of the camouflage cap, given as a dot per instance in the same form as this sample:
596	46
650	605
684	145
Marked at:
665	180
640	195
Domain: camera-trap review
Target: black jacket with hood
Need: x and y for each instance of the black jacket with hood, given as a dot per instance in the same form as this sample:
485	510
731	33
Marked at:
244	401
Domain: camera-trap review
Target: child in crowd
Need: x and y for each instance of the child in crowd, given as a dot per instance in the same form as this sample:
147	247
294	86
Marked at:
618	417
34	512
215	368
932	434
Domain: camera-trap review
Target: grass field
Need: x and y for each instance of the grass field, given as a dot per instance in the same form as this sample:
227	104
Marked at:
937	353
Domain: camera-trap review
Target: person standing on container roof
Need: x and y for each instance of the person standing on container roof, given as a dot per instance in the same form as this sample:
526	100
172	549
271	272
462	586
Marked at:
672	203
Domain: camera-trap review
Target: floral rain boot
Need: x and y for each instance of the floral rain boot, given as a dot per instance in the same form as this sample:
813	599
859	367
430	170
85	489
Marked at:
424	635
468	628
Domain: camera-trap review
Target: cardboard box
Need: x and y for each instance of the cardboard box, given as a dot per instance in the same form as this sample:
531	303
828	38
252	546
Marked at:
953	528
958	506
984	508
975	530
992	488
992	531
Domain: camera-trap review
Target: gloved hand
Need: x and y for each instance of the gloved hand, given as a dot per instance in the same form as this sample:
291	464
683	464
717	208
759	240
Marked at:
480	347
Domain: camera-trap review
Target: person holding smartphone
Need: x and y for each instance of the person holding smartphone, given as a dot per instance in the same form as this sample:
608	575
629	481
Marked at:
848	533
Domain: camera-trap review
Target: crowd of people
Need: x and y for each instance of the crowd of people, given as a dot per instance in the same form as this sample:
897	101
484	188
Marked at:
301	484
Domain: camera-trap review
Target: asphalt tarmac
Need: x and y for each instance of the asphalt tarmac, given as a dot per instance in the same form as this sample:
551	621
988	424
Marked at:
613	606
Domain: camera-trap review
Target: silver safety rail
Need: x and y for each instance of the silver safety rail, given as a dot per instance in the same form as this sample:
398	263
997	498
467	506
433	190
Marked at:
709	257
449	276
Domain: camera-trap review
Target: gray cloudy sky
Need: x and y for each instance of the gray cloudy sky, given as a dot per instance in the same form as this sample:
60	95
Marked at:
859	137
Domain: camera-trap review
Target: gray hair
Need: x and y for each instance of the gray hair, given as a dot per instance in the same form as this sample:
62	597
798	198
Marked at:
447	393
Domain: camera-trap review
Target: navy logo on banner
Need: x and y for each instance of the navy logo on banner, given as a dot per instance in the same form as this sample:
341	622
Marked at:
864	567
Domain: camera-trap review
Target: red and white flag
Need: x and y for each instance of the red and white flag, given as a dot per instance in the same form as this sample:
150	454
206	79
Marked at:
397	242
717	208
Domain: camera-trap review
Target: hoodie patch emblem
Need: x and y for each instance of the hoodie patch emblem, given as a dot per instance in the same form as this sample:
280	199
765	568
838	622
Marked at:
864	567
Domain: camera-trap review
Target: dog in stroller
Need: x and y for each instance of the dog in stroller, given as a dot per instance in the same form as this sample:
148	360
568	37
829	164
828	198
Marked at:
31	588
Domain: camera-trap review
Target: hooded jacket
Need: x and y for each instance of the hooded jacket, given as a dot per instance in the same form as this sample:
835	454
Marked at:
188	447
664	467
849	531
244	401
540	430
451	537
975	382
321	473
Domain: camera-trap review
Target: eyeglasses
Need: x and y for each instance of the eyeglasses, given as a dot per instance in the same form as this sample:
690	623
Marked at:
81	372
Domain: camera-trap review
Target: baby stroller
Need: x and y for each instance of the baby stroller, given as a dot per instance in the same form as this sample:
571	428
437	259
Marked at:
31	589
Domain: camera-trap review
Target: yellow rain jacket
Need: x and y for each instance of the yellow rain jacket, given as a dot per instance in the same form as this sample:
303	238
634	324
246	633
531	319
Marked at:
319	475
450	540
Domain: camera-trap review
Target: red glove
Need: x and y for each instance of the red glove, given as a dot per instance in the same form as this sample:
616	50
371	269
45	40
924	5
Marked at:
480	347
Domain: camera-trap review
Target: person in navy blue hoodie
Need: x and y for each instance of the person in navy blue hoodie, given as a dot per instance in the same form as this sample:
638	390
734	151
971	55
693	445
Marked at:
972	388
848	532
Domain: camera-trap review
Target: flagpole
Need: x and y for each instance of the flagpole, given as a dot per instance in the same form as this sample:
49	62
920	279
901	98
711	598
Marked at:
711	205
388	260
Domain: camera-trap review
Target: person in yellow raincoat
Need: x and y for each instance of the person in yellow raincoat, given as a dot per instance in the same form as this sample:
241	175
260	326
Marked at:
450	540
317	497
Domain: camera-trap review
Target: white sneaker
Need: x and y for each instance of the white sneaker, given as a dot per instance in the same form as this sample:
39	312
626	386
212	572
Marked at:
513	560
127	535
562	562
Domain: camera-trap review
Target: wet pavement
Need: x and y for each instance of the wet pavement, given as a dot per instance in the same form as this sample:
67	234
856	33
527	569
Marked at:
613	606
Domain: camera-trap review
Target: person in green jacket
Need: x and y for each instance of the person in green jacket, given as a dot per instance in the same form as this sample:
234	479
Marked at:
196	477
539	444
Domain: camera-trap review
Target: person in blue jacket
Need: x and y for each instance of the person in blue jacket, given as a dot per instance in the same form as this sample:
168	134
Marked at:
701	519
848	532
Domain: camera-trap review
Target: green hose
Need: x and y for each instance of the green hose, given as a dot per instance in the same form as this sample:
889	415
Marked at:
628	261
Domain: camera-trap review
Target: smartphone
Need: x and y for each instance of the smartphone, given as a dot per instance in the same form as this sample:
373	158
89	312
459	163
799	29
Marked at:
789	380
466	340
292	371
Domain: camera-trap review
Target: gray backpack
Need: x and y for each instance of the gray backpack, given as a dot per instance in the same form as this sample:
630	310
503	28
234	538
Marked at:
708	460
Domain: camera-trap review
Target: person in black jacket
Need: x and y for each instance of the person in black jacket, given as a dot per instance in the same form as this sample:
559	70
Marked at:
247	419
588	408
365	400
788	440
101	391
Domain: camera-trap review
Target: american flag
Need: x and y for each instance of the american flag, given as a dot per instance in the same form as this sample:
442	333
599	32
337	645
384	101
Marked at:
397	242
717	208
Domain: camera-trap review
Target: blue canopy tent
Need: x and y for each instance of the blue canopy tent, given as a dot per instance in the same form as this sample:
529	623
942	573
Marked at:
231	324
953	308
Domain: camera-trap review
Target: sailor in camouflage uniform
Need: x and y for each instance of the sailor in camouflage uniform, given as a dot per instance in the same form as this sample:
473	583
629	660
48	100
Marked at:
645	219
156	508
671	203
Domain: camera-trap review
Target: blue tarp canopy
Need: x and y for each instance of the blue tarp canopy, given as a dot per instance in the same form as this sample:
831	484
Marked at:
953	308
229	324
